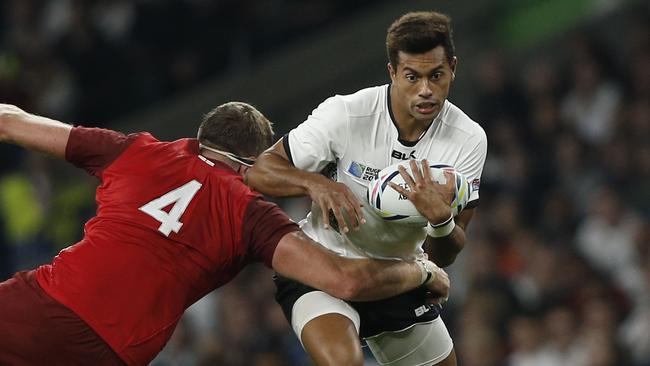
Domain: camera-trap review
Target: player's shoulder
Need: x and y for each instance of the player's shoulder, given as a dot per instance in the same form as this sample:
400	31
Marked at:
454	117
143	140
183	146
364	102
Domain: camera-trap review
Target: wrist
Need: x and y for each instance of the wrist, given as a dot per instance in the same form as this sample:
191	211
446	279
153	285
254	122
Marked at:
441	229
313	182
426	269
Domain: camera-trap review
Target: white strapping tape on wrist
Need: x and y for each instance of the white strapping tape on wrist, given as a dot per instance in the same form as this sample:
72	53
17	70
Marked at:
443	229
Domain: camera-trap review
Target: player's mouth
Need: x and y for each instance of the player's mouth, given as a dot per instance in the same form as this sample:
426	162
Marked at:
426	107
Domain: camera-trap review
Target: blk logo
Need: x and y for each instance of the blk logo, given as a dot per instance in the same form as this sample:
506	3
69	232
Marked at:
403	156
422	310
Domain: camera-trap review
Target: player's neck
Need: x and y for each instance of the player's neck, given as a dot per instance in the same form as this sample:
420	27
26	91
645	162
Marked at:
409	128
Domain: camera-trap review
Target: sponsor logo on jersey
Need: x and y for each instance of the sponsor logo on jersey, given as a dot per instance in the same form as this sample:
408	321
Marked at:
403	156
362	171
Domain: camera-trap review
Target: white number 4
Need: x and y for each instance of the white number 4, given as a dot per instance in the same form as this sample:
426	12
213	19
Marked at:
181	198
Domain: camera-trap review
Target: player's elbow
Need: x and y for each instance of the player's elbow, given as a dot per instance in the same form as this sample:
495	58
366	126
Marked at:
445	260
445	255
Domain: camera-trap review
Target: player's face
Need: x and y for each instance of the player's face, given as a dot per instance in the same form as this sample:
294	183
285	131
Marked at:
421	83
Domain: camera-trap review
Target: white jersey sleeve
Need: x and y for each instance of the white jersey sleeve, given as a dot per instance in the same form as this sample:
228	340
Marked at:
472	160
321	139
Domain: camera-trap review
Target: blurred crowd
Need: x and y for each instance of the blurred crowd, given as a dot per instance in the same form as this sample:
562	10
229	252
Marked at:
556	271
93	60
557	268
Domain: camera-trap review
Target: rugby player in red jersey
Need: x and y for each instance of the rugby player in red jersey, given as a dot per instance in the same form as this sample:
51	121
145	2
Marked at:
174	222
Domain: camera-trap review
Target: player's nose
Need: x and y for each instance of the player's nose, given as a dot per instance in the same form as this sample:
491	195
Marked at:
425	89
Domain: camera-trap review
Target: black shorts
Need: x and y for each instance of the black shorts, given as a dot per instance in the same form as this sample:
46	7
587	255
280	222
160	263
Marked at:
392	314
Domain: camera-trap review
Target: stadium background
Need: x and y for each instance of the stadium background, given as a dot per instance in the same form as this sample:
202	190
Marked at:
557	267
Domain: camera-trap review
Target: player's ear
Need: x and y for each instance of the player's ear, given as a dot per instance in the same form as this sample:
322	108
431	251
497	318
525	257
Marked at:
391	72
453	65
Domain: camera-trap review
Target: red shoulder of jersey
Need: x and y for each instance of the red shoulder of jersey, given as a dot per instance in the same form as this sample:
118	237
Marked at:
94	149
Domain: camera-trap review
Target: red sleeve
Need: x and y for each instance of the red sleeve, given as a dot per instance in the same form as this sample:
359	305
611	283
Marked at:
264	225
93	149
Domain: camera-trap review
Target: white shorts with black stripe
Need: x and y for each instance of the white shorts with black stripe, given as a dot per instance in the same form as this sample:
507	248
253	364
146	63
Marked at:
399	331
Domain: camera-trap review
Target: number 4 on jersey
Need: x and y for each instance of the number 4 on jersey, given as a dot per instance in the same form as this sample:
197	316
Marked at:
181	198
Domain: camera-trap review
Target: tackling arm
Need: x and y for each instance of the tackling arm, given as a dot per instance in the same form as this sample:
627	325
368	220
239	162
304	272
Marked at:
33	132
301	259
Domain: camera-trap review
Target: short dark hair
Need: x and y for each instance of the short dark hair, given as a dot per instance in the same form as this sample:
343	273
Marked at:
419	32
238	128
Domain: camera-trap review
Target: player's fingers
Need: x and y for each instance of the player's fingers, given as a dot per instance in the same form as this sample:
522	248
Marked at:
348	210
357	209
325	211
451	179
338	214
426	171
407	178
415	169
399	189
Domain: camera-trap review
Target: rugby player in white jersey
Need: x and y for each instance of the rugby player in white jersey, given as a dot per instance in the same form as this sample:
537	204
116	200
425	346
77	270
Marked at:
349	138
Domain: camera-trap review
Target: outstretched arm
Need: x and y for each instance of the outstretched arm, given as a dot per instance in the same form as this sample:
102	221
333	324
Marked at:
301	259
33	132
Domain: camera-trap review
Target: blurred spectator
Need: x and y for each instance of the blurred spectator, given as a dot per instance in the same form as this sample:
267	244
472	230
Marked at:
499	97
564	344
635	331
606	238
480	346
593	100
25	197
527	343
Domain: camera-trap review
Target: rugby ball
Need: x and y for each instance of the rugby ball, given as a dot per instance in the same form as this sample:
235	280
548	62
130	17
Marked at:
390	205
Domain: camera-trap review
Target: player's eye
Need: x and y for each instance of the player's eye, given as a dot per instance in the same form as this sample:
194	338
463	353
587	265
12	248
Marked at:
436	75
412	78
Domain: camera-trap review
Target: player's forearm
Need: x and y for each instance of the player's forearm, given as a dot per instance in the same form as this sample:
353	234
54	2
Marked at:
32	131
379	279
443	250
301	259
275	176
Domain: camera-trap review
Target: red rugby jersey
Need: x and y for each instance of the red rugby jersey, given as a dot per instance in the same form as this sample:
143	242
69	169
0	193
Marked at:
171	226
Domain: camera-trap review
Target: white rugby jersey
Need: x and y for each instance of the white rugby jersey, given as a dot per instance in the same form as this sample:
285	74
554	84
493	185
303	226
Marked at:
358	134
